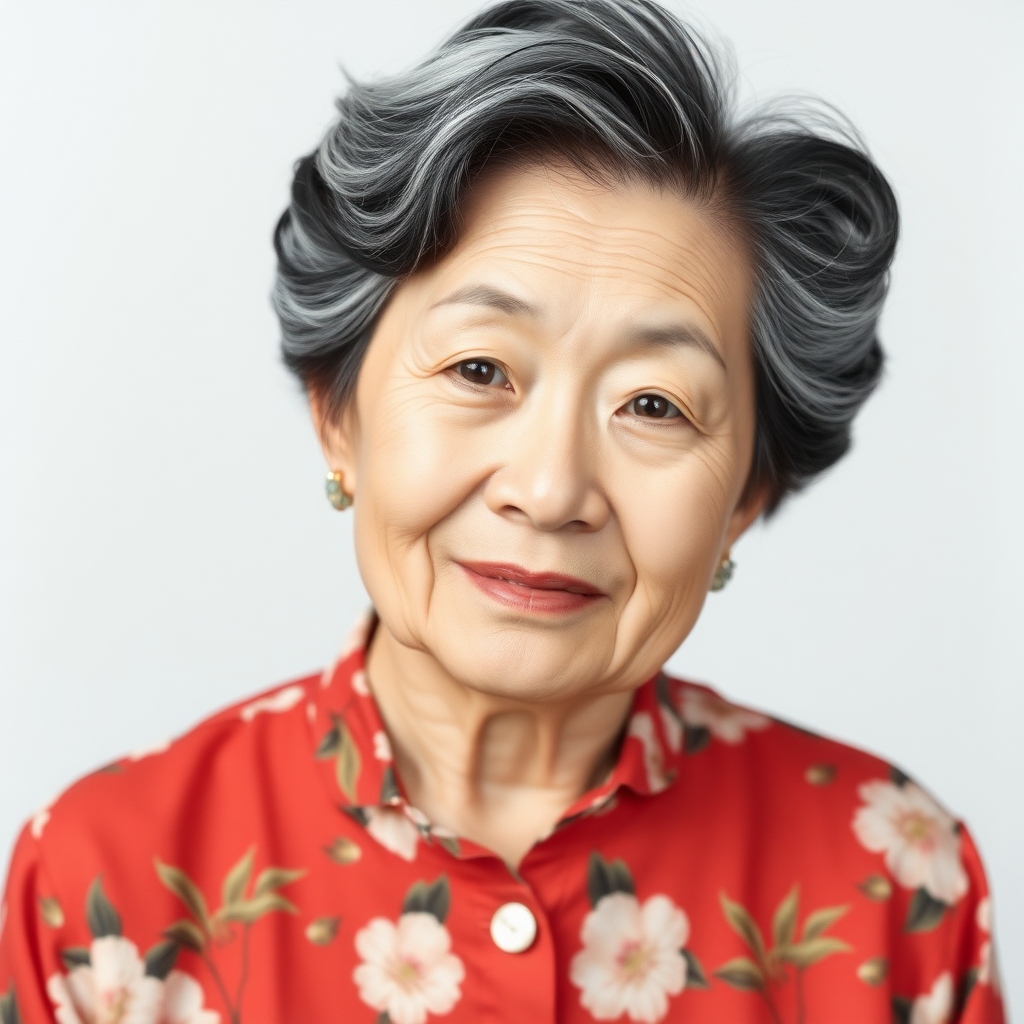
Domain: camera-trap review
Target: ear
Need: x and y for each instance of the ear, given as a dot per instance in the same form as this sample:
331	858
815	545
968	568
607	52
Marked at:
338	437
751	505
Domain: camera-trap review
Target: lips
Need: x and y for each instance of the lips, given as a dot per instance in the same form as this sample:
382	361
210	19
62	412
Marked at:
514	587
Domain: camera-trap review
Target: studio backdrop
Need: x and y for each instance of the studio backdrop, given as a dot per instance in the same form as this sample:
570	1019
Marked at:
165	547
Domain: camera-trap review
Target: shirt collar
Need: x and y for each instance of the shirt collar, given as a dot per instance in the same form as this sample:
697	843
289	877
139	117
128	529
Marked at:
352	746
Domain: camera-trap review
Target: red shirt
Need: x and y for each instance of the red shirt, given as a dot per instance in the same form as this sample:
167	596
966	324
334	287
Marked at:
265	868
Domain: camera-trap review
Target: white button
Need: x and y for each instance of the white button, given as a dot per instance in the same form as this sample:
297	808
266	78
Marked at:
513	928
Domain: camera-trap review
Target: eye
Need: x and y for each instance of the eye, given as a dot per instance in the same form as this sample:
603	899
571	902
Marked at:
480	371
654	407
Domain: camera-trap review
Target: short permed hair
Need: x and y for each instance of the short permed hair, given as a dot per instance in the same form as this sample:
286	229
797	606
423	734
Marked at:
620	85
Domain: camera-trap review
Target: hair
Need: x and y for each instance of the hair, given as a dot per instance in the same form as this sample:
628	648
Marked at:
616	85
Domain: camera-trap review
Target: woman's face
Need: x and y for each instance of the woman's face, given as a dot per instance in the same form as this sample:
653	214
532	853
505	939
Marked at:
550	434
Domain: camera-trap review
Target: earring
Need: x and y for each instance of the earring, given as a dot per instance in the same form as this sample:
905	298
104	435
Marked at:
723	574
335	495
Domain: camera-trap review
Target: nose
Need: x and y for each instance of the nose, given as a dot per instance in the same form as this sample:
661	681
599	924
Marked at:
549	475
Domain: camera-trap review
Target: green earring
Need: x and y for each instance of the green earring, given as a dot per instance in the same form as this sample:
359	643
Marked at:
723	574
335	494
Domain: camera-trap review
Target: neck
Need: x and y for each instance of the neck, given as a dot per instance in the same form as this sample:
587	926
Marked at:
498	771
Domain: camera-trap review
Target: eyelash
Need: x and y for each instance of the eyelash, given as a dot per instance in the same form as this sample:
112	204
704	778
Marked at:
460	367
489	366
653	400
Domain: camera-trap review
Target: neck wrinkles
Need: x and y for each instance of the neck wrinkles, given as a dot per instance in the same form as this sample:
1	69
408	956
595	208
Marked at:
496	771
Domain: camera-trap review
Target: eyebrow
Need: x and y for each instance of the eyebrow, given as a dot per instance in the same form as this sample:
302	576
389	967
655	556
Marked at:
670	334
493	298
678	334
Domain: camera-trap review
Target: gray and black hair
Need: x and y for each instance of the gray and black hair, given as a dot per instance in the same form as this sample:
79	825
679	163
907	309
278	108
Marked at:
617	85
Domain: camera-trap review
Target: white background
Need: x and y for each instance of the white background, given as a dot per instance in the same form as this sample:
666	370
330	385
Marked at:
165	546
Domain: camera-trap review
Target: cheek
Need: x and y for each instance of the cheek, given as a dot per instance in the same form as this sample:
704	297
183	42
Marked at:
673	522
417	465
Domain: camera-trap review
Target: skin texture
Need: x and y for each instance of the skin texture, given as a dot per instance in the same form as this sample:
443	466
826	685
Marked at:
500	717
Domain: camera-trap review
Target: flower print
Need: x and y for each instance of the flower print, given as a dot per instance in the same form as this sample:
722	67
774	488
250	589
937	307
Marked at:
183	1001
937	1006
408	969
727	722
988	973
154	748
641	726
382	746
631	960
672	727
359	684
41	818
281	700
112	988
391	827
111	984
920	840
418	818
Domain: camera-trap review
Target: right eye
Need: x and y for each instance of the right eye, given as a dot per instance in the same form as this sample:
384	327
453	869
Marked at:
481	371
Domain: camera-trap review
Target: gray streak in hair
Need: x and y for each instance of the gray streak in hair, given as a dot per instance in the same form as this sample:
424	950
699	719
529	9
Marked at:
611	85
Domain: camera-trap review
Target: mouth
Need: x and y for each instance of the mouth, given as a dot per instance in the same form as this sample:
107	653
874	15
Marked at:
547	593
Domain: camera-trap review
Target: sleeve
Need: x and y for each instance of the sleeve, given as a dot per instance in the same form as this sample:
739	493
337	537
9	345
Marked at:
972	948
29	910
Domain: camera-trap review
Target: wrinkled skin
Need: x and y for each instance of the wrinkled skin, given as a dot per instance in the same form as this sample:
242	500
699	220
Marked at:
499	417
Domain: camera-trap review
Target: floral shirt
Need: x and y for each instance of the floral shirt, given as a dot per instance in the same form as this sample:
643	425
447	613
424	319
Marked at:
266	868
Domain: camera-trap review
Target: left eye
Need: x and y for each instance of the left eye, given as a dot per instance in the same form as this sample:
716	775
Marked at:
481	371
655	407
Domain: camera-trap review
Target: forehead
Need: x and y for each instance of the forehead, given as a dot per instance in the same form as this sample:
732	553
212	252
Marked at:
562	236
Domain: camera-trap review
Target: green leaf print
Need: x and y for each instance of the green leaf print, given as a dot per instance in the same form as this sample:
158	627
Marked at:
821	920
389	792
807	953
434	898
205	933
767	970
275	878
328	747
695	976
9	1012
744	926
695	738
237	880
743	974
100	914
924	913
338	744
160	959
250	911
784	921
187	891
186	934
901	1008
75	956
604	878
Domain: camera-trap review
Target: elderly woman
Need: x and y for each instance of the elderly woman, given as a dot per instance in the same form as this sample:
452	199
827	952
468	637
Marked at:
567	329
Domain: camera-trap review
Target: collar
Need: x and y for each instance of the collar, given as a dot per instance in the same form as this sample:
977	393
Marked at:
354	752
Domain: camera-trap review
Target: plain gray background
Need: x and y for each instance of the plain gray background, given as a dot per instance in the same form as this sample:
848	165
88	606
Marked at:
165	546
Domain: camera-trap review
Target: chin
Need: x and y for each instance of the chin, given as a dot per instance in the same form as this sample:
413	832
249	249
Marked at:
524	663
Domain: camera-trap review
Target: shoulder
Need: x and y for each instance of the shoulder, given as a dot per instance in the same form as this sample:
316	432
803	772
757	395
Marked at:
703	719
161	791
843	805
